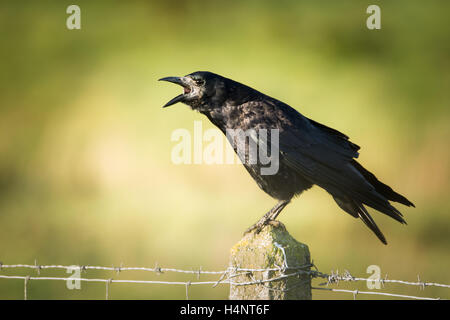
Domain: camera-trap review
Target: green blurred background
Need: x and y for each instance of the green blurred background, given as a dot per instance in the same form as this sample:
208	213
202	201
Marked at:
85	169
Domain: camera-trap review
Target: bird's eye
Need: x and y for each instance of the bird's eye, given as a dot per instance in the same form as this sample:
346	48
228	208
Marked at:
199	82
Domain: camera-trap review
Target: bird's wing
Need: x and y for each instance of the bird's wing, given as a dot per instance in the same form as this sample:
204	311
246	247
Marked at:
328	161
325	157
314	140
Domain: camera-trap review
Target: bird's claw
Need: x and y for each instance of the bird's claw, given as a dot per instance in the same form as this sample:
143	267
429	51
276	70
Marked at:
257	227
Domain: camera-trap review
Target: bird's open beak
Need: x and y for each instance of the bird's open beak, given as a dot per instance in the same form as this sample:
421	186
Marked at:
182	81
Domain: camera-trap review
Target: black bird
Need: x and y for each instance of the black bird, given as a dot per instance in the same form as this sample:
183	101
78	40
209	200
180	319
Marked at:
309	153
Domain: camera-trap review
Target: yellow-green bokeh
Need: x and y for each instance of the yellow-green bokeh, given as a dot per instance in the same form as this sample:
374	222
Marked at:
85	170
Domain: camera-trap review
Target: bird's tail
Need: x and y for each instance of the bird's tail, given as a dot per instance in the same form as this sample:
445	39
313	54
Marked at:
355	206
380	187
358	210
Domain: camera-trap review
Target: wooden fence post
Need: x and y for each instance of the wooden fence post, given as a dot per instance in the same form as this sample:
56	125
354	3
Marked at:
272	248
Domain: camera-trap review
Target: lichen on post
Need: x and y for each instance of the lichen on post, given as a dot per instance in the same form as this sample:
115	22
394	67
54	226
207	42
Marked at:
275	249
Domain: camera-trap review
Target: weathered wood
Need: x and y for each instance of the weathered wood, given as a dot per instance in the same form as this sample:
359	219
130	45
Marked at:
265	251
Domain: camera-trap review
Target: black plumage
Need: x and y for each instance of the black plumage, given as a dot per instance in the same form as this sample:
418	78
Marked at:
310	153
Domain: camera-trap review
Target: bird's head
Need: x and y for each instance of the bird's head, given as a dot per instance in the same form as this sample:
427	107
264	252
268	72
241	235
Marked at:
201	90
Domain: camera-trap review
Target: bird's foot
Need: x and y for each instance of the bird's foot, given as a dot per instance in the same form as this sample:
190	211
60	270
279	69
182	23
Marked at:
269	218
257	227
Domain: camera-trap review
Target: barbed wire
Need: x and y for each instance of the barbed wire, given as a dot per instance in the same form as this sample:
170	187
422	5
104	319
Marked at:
227	276
346	276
